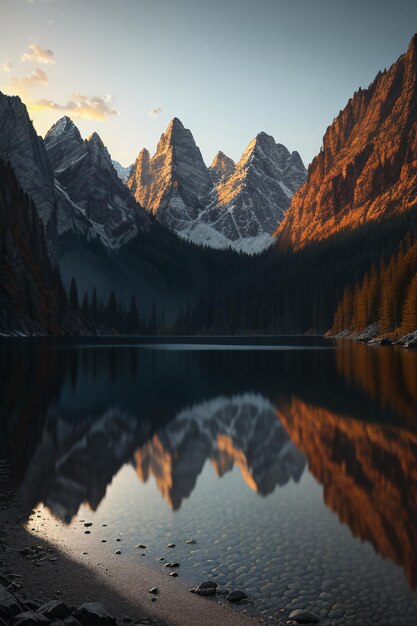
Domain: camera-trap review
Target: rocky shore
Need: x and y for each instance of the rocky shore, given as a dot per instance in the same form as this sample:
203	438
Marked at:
372	336
43	582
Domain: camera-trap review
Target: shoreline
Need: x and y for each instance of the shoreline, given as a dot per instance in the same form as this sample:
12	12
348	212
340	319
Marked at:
84	570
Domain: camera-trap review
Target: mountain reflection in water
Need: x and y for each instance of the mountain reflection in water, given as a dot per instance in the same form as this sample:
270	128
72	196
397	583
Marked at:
74	415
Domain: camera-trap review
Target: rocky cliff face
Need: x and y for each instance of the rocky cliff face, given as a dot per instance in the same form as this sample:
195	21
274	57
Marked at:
25	151
86	175
367	167
31	298
369	476
246	206
172	184
242	431
224	205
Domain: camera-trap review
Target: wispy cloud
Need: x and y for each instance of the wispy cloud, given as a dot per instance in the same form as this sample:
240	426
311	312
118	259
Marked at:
154	112
7	66
36	78
37	54
80	106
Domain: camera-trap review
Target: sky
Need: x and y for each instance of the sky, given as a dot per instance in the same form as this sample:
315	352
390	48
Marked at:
227	69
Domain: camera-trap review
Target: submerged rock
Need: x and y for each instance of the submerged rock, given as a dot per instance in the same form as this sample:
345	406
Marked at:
301	616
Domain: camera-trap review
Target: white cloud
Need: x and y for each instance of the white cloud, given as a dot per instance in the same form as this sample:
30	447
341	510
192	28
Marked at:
36	78
37	54
154	112
80	106
7	66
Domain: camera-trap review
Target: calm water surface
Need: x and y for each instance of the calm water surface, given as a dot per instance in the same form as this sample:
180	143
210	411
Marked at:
291	462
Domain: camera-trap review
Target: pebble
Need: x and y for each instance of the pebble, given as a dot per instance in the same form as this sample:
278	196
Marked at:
170	545
88	524
190	541
154	590
140	546
117	552
173	574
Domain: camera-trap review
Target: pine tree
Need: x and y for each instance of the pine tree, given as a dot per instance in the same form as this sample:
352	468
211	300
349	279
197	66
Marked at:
94	307
73	296
85	307
111	311
409	319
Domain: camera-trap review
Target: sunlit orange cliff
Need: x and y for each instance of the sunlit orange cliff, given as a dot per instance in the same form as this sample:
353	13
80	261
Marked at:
367	167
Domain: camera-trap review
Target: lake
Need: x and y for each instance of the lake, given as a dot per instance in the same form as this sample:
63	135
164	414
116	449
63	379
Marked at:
290	462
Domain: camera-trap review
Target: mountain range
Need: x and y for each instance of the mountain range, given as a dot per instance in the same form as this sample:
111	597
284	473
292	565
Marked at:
225	205
166	230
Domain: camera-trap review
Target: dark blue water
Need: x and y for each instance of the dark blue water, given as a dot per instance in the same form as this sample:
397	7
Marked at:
290	462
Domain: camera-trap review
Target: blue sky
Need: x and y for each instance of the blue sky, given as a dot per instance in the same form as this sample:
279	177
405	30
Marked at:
227	68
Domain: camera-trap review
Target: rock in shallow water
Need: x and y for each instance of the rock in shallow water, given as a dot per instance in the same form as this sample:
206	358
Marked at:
304	617
236	596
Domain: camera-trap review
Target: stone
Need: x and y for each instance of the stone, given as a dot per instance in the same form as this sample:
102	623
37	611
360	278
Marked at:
28	618
174	574
190	541
9	606
236	596
27	552
204	592
208	584
222	591
88	524
154	590
55	609
117	552
301	616
94	614
170	545
141	546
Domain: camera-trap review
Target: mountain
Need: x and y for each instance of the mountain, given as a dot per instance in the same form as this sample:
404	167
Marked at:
85	173
366	170
221	168
172	184
122	172
221	206
31	296
246	206
26	153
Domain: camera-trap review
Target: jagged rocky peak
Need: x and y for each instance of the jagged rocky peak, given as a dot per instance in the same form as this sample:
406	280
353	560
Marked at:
99	154
140	178
222	167
365	170
85	173
64	143
173	182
